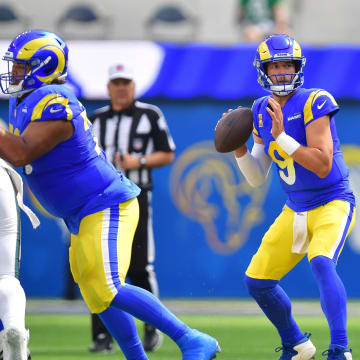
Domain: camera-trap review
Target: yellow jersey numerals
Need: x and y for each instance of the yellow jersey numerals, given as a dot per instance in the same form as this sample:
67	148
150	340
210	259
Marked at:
284	161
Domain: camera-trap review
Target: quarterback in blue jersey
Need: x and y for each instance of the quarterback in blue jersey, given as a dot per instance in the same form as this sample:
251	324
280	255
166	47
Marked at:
295	128
50	136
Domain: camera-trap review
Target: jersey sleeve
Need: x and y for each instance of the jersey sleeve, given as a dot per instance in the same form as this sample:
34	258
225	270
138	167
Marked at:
318	104
53	107
163	140
95	127
257	118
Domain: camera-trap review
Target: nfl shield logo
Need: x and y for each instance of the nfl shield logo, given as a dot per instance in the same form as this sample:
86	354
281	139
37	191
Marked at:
138	144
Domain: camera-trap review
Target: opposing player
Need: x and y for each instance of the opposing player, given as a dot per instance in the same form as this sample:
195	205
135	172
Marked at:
71	177
295	128
14	336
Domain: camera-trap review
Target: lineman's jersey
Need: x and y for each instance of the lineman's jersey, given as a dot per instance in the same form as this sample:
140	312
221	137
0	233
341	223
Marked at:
304	188
74	179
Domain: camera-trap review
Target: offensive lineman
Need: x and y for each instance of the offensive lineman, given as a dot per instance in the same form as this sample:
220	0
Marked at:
72	178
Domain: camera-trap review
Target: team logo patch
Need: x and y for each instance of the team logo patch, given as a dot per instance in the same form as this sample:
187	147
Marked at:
282	55
295	116
138	144
321	105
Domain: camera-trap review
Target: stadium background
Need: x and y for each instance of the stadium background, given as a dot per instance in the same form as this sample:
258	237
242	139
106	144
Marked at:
208	223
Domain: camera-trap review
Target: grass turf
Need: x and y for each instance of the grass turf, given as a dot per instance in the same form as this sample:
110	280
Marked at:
67	337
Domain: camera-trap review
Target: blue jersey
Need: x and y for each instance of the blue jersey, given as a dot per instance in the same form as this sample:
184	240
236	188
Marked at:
304	188
74	179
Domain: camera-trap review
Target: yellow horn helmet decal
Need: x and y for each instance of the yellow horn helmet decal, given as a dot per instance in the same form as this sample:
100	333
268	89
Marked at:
30	48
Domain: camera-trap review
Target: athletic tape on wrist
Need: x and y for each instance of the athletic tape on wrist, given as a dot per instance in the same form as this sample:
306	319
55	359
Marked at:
287	143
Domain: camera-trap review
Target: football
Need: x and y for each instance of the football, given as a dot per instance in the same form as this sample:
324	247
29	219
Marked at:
233	130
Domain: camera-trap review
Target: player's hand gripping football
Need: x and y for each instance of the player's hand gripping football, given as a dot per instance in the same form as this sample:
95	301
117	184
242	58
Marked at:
277	118
230	110
224	114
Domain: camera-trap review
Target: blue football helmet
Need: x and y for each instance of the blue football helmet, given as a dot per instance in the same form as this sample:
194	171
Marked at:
279	47
44	56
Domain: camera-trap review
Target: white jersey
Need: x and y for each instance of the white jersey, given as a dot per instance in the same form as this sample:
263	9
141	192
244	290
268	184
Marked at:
18	184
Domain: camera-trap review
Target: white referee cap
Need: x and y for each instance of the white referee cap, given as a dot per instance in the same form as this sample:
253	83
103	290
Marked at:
120	71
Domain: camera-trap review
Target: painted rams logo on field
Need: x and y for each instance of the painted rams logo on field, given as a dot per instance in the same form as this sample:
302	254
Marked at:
208	188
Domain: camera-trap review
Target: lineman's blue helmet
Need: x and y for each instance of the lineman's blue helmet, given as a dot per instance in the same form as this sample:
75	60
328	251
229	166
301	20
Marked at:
44	56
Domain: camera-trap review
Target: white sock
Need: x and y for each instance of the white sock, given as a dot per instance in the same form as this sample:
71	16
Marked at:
15	344
12	303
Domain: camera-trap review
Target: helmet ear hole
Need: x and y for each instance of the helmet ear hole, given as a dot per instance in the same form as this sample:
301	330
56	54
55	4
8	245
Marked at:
47	71
35	61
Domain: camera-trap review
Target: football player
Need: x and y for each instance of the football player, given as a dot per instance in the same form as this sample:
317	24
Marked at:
50	136
295	128
14	336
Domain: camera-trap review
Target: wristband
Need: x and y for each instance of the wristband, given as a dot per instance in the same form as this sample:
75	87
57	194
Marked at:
142	162
287	143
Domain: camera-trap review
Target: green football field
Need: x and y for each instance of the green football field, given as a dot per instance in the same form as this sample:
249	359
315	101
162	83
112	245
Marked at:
67	337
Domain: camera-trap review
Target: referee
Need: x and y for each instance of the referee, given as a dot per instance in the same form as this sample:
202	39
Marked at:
136	138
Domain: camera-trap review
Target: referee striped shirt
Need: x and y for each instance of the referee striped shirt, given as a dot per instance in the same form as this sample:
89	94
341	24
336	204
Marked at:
139	130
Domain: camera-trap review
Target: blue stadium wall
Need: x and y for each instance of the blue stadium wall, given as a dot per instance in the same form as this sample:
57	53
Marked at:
208	222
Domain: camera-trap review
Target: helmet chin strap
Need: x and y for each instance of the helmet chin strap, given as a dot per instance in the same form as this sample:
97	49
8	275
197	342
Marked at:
17	91
282	90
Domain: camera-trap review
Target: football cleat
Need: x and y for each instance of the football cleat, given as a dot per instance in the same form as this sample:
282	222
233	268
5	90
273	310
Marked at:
153	338
304	349
102	344
2	353
337	352
14	342
28	354
196	345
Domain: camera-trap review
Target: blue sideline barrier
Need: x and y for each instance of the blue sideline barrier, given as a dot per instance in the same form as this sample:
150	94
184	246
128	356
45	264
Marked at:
208	224
192	71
